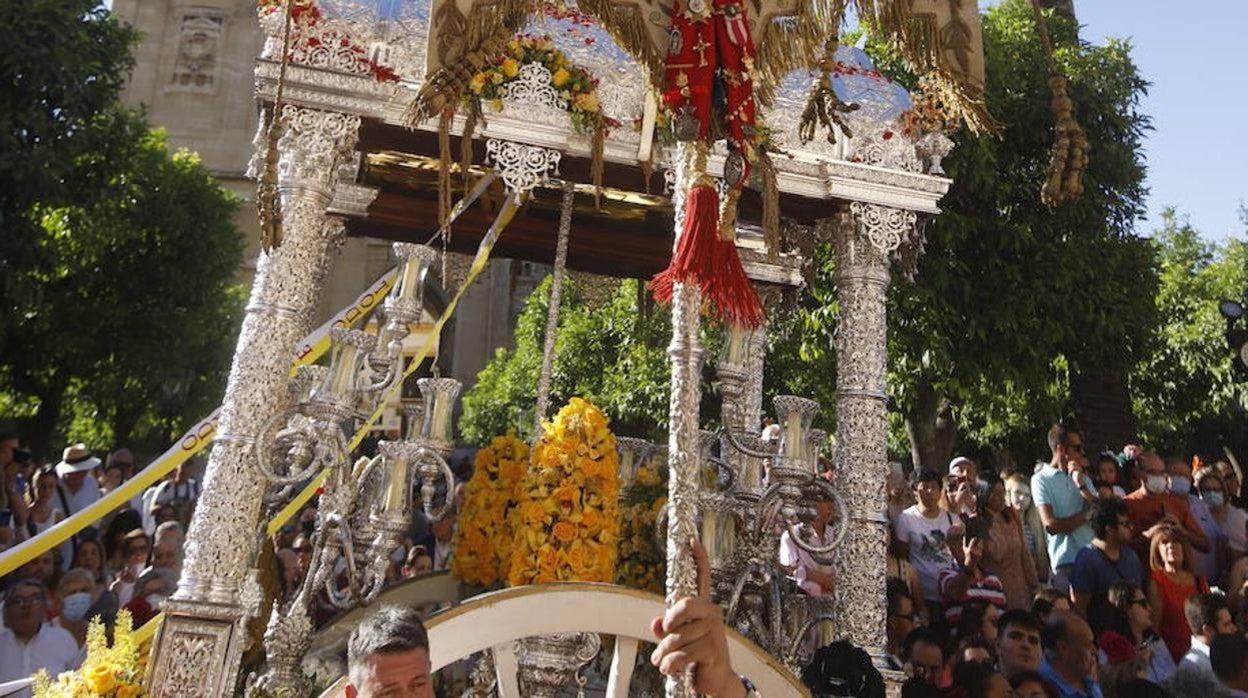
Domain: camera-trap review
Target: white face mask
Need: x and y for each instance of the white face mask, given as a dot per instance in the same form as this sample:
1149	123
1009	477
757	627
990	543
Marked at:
1180	484
156	601
75	606
1155	484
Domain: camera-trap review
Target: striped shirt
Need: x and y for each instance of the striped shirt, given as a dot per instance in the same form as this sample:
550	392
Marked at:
984	588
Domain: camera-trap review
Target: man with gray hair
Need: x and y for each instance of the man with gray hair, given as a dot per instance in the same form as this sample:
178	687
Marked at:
27	643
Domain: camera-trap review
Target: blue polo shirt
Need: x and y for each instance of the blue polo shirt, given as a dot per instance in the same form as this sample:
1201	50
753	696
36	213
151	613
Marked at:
1054	487
1065	690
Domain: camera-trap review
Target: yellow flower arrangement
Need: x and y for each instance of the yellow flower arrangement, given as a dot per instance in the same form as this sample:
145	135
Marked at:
574	84
566	522
642	560
107	672
483	540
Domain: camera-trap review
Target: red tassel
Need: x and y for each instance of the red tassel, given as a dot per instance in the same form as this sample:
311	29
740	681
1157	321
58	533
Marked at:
710	263
730	291
694	259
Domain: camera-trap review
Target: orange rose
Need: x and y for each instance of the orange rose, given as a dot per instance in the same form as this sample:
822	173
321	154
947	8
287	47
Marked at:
564	531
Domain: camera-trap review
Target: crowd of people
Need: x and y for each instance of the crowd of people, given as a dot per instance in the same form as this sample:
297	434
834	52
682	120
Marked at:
1122	574
130	557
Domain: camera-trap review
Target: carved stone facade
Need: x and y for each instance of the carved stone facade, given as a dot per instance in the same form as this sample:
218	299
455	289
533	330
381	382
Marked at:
202	639
199	43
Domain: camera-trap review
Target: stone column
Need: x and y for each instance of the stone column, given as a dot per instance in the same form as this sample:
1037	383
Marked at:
865	237
204	632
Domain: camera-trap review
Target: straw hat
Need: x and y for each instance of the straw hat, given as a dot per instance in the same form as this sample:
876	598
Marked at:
76	459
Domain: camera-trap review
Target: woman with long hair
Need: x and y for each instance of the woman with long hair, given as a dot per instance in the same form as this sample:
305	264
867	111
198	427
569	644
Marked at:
89	555
1005	547
1018	494
1170	582
1130	615
44	510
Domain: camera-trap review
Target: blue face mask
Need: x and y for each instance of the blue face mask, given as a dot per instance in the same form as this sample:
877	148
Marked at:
1214	498
1180	484
74	607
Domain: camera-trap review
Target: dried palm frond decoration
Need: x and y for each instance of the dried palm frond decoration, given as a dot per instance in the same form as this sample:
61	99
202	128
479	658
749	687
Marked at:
796	39
939	38
1069	156
824	108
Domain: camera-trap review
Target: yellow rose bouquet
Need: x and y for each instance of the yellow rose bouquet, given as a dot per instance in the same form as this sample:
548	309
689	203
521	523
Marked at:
642	560
483	539
574	85
107	672
566	521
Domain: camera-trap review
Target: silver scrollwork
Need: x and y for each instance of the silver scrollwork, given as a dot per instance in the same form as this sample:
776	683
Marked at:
522	166
887	228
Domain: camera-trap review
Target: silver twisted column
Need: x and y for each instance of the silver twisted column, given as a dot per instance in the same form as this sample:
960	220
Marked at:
685	355
864	240
203	635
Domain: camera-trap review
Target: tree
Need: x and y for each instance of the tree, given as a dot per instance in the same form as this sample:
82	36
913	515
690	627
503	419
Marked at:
1186	390
129	331
612	355
64	64
1011	295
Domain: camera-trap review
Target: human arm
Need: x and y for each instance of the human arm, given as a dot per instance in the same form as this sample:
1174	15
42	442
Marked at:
901	540
1054	525
1154	603
1195	534
692	636
916	594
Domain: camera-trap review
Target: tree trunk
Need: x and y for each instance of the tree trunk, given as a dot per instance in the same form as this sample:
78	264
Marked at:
1103	408
37	430
931	428
1063	8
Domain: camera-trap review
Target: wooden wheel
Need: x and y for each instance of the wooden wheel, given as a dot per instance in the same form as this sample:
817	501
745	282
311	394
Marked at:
496	620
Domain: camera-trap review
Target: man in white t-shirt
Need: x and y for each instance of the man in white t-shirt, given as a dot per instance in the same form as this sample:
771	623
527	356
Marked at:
27	643
923	533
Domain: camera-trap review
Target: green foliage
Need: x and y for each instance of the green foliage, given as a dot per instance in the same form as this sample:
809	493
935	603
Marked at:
117	258
1185	389
133	305
63	66
612	355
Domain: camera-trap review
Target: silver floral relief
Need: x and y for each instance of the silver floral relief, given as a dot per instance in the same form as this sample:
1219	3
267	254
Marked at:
287	286
532	87
882	145
862	278
190	647
521	166
885	227
312	146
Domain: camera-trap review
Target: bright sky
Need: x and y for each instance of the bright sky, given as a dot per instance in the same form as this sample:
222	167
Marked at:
1196	57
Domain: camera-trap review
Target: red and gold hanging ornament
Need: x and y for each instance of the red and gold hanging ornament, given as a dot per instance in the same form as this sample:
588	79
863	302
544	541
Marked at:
711	58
